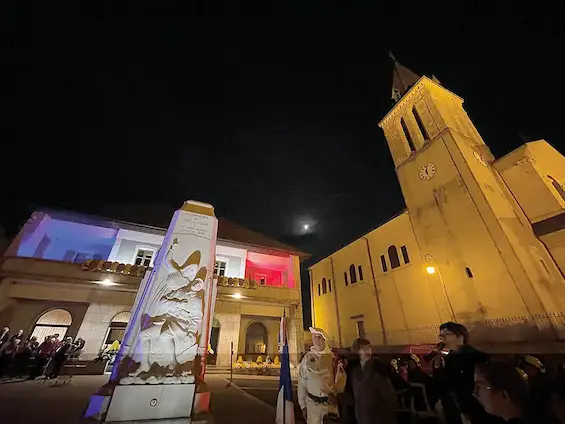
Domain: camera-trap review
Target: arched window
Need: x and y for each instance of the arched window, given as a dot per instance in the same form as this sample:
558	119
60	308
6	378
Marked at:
319	290
407	134
256	338
330	285
420	123
352	273
212	357
360	273
117	328
345	277
468	272
393	257
324	286
55	321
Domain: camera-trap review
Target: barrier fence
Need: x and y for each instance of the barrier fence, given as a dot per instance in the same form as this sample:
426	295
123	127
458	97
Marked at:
535	328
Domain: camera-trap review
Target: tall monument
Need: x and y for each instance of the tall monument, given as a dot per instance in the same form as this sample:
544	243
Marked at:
161	359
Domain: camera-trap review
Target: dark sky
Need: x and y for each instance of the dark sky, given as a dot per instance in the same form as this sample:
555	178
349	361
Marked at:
271	118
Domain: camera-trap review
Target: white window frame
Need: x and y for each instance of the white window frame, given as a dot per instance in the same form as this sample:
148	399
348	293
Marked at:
224	260
148	248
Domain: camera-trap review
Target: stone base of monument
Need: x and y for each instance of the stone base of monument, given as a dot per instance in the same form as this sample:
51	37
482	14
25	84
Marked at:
171	404
151	402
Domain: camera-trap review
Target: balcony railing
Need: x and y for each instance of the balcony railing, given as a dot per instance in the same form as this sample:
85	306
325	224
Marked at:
235	282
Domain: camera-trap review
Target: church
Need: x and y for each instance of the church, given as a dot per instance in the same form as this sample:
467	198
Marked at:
78	275
481	240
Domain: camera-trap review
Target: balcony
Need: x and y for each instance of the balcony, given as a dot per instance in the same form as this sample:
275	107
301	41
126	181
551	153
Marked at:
34	269
245	289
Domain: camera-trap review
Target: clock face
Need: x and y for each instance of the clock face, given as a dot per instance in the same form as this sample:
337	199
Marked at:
480	159
427	171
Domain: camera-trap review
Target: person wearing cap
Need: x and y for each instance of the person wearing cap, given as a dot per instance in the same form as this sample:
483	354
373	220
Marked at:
174	315
318	383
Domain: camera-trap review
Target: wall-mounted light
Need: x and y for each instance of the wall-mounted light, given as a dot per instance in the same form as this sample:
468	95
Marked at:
107	282
237	296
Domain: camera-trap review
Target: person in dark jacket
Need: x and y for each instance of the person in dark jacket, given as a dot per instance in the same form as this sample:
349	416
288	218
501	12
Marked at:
374	397
60	356
456	376
417	375
346	401
44	352
8	353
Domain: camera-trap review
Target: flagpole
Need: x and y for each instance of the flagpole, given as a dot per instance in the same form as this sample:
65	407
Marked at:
284	343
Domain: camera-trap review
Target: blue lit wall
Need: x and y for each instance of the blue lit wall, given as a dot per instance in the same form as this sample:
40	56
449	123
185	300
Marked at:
61	240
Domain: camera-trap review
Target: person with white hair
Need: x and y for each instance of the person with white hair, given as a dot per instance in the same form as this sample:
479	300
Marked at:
318	384
4	335
60	356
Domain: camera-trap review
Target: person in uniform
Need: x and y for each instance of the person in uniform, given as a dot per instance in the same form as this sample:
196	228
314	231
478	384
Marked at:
321	377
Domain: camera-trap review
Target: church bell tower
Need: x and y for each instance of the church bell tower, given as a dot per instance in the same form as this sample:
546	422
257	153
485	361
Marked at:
465	219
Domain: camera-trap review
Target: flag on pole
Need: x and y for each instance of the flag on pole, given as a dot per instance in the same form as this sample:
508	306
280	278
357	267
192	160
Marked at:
285	406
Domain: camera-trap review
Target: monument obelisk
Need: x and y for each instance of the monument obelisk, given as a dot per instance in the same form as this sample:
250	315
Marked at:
160	360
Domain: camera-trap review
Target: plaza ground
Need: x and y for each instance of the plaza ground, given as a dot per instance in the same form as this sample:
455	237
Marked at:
266	389
250	400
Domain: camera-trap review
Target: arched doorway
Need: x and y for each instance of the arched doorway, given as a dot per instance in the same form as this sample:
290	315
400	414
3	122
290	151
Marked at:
214	339
117	328
256	339
55	321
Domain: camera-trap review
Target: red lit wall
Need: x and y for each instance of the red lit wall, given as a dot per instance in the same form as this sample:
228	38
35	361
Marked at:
274	278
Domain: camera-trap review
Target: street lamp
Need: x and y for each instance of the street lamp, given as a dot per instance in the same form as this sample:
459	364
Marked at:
431	269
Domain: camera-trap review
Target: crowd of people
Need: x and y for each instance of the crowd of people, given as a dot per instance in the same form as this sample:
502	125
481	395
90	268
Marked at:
27	358
462	385
454	384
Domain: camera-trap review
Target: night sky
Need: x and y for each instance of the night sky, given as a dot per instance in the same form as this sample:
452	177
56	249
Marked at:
272	120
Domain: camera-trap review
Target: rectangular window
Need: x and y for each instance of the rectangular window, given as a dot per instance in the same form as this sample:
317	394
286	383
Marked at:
345	276
69	255
143	257
360	273
361	329
383	263
319	290
261	278
80	258
41	248
220	267
405	254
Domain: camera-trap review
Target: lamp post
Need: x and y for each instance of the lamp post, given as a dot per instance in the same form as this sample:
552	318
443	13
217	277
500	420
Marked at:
431	269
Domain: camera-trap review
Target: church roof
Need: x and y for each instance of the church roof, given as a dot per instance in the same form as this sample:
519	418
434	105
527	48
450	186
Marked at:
402	79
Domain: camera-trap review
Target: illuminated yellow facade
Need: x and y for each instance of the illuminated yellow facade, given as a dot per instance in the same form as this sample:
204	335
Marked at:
481	240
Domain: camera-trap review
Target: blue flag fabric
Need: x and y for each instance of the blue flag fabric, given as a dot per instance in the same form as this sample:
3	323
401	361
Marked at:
285	406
